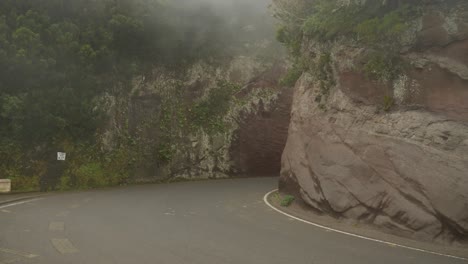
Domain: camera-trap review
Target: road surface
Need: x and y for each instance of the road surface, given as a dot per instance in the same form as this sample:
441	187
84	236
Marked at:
211	222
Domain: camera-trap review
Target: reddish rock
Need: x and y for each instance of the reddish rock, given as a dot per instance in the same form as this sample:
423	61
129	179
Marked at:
405	170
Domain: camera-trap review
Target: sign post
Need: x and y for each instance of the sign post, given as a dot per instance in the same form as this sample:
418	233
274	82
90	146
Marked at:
61	156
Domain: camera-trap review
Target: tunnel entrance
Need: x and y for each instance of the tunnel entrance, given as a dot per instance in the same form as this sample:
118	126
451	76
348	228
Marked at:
260	140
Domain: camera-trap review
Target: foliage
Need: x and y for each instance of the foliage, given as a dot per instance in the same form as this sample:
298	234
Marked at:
373	22
291	77
25	183
328	20
383	30
91	167
389	102
58	59
383	66
376	25
287	200
165	152
209	112
324	73
291	36
90	175
383	33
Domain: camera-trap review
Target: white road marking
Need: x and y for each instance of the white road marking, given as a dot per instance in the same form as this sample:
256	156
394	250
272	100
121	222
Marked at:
74	206
63	213
265	199
6	211
57	226
63	246
18	253
11	261
18	203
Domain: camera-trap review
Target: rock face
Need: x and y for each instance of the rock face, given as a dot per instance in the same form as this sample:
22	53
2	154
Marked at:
404	170
246	139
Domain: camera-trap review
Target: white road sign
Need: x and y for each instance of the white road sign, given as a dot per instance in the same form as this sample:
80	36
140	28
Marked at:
61	156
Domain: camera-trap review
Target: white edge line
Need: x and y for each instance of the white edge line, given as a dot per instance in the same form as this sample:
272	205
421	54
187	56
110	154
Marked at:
265	199
18	203
18	253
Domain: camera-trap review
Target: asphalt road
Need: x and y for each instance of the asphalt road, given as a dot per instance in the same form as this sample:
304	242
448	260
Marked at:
212	222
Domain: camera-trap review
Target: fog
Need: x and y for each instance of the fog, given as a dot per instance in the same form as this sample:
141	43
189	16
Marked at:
244	26
240	12
259	6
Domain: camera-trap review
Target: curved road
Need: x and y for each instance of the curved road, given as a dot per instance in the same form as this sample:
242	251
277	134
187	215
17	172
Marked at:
211	222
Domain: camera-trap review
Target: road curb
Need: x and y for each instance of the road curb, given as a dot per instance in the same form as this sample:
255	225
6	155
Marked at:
265	199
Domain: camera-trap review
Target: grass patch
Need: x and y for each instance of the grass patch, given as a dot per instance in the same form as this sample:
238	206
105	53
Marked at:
287	200
292	76
389	102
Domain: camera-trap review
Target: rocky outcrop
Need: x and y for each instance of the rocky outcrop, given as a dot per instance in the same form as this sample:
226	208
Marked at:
391	154
177	134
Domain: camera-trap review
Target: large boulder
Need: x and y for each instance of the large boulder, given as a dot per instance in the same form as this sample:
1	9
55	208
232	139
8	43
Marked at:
404	170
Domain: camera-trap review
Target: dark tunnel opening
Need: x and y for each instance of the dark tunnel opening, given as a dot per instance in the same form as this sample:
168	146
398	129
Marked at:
260	140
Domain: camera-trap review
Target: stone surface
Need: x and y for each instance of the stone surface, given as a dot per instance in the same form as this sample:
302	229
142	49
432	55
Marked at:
405	170
254	129
5	186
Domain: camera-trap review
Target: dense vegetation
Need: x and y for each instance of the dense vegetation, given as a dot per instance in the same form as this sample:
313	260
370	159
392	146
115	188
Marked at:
376	25
59	59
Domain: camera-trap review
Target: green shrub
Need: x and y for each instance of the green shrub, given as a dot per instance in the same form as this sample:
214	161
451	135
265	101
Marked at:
328	22
91	175
24	183
292	76
65	183
121	163
287	200
383	66
209	113
324	73
385	30
165	153
389	102
291	37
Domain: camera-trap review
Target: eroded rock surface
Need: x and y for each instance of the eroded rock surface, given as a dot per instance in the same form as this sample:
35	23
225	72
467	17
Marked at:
246	139
405	170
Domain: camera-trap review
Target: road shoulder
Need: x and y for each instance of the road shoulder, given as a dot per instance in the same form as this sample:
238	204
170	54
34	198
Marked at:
363	231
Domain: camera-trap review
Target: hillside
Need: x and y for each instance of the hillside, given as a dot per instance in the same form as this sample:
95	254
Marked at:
133	91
